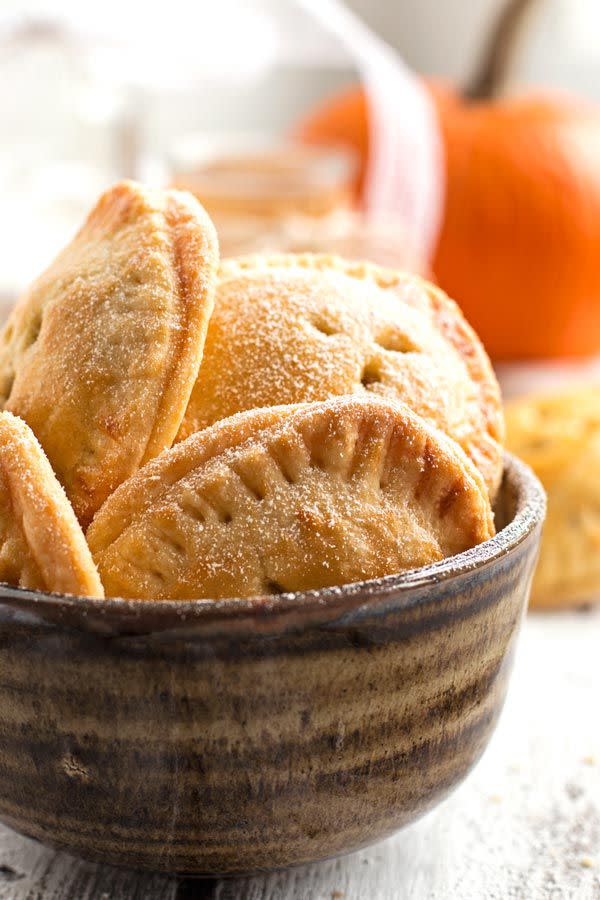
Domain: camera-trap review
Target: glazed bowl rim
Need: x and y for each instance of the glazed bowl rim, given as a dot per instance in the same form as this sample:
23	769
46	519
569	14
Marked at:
256	614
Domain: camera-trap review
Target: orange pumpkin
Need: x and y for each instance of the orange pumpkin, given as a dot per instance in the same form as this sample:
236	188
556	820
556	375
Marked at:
519	247
520	242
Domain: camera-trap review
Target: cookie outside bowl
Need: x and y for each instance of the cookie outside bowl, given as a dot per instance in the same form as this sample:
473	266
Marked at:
228	737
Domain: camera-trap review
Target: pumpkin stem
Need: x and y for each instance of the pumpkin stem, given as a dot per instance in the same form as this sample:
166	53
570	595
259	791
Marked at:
507	33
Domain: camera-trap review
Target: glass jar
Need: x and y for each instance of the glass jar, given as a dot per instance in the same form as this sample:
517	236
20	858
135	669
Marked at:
268	196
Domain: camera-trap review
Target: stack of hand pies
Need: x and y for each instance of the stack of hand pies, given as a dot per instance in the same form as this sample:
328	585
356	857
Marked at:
172	430
559	436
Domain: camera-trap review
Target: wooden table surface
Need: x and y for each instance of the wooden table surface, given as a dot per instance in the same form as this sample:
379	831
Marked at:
524	826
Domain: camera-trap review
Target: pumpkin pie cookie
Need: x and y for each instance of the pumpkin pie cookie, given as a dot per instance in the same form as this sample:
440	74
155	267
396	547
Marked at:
42	546
291	498
300	328
559	436
101	353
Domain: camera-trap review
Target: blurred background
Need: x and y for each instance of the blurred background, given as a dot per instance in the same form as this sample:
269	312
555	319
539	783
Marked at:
87	95
457	140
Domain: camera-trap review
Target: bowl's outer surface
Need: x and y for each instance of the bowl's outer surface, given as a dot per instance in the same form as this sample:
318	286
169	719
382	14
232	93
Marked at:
230	738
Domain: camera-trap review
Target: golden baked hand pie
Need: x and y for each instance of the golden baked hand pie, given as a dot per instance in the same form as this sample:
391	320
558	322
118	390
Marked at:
291	498
42	546
100	355
293	329
559	436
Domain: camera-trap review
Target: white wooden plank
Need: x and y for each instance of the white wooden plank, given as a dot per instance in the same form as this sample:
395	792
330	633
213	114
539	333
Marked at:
31	872
525	825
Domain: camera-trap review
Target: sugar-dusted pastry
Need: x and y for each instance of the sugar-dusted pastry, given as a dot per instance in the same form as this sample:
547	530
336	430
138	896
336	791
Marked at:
100	355
42	545
293	329
559	436
291	498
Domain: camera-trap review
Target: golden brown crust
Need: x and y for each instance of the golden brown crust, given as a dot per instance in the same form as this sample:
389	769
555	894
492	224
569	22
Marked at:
291	498
298	328
101	354
559	436
41	543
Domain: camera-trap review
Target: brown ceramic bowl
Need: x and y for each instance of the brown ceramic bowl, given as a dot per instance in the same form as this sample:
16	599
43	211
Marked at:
235	736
